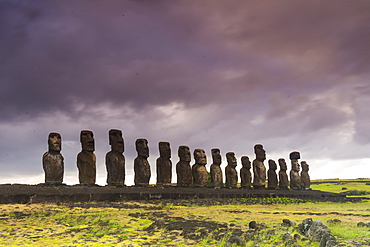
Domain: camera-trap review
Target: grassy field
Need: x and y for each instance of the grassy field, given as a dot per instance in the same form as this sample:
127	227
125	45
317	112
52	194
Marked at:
180	223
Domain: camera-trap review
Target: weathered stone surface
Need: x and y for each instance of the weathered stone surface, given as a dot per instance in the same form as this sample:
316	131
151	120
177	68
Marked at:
230	171
245	173
216	172
271	175
164	164
183	168
305	177
86	159
295	178
141	164
259	169
53	161
317	230
283	176
199	171
114	160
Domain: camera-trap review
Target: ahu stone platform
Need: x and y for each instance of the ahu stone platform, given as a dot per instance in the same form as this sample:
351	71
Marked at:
20	193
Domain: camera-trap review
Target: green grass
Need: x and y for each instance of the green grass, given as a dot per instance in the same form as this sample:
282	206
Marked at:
112	225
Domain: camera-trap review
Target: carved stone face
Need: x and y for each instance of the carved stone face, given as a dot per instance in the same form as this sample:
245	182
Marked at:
246	162
282	165
184	153
164	150
116	141
216	156
55	142
231	160
260	152
294	155
305	166
295	166
272	165
87	140
200	156
142	148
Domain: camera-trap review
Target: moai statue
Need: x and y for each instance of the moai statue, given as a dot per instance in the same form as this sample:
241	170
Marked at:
183	168
216	172
271	176
295	178
245	173
230	171
283	176
305	177
114	160
53	161
164	164
199	171
259	169
141	164
86	159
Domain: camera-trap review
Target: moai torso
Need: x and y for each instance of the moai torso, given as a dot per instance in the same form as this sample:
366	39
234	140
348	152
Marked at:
53	161
245	173
305	177
259	169
183	168
271	175
295	178
199	171
216	172
283	176
141	164
86	159
114	160
230	171
164	164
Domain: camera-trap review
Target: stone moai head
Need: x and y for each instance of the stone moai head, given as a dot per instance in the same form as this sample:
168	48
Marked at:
246	162
164	150
142	148
200	157
260	152
272	165
305	166
87	140
231	160
282	164
294	155
55	142
116	140
184	153
216	156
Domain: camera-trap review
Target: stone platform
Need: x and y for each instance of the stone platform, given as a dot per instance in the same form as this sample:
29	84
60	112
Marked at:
20	193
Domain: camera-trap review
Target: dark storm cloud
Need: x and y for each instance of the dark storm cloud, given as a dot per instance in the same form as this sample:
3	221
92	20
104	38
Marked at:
202	73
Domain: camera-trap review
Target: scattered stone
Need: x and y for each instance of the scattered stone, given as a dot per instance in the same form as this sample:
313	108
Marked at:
368	224
325	238
361	224
235	240
288	223
317	230
297	236
344	188
286	236
252	224
305	226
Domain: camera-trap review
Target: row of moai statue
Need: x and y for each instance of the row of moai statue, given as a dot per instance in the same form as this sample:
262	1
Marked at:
197	175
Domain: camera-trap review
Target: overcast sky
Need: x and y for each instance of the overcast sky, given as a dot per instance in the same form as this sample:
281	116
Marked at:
291	75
